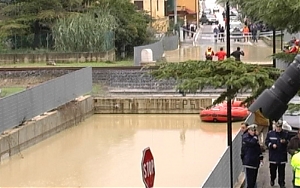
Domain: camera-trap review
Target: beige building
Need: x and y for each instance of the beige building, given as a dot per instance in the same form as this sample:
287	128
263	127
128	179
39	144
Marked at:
156	8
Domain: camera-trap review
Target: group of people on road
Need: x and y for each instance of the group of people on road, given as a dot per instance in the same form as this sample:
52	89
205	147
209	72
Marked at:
278	144
221	54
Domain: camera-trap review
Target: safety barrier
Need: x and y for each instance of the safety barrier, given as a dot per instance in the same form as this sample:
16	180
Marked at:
158	48
220	176
233	35
20	107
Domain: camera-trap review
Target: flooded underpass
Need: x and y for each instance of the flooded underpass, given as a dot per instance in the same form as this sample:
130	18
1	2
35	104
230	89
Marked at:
106	151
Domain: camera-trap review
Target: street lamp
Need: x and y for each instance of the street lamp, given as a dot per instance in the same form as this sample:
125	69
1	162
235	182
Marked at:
229	121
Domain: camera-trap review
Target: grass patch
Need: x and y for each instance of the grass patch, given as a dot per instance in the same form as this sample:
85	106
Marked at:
74	64
6	91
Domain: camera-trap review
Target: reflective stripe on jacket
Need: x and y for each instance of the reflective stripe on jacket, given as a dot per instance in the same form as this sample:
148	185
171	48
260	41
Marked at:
277	155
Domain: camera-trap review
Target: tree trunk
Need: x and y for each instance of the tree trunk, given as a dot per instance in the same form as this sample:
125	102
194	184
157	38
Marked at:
37	33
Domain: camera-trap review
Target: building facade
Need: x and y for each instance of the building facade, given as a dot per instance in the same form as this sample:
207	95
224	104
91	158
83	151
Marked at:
156	8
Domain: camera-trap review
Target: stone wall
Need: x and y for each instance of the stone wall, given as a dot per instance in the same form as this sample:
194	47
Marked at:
58	57
32	132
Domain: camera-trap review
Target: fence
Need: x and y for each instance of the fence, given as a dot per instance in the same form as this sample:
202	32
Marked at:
34	101
165	44
220	176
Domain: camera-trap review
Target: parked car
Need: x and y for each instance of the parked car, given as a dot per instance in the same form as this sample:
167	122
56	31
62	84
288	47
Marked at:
206	11
293	119
208	19
234	25
216	9
234	15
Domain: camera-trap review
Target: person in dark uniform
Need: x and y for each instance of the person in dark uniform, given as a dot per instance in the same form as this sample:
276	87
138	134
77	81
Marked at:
252	155
277	141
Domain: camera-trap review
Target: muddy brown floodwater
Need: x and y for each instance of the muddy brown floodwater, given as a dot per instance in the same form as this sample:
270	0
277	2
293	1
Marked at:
106	151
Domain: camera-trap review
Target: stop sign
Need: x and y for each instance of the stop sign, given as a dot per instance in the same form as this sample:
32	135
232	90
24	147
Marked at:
148	169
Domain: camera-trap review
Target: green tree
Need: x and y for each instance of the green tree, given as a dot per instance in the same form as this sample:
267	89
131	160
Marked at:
277	13
192	76
132	24
25	17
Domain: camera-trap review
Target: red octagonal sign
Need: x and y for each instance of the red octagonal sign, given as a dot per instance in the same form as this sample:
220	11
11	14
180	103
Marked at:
148	169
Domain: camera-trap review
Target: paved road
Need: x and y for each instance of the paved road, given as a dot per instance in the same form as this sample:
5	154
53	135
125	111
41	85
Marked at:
263	179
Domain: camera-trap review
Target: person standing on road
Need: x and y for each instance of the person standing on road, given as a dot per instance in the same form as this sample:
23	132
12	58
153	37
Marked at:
295	163
293	148
277	141
216	33
252	157
209	54
221	54
294	144
237	54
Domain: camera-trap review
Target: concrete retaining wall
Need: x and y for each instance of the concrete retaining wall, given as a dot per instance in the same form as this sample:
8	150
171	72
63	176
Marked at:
15	140
151	105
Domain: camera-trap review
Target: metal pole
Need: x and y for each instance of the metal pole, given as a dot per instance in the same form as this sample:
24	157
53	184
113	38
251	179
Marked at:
151	12
281	40
175	12
229	121
274	46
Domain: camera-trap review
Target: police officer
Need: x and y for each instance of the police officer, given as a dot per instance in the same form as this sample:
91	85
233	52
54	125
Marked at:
277	141
252	155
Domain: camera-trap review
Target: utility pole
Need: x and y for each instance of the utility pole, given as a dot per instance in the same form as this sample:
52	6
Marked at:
151	13
197	12
229	121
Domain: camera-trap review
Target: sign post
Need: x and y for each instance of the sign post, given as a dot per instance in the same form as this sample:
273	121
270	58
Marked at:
148	169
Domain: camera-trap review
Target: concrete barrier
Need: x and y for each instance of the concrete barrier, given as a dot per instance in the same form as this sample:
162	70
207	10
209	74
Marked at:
151	105
41	127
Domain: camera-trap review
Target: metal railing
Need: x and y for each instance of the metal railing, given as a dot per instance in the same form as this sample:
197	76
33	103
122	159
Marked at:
23	106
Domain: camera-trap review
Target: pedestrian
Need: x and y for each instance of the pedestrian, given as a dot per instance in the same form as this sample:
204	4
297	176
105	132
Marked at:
222	36
294	144
246	33
293	148
216	33
276	142
295	163
221	54
254	33
252	157
237	54
209	54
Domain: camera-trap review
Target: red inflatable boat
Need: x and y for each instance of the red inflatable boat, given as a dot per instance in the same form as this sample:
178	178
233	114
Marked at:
219	113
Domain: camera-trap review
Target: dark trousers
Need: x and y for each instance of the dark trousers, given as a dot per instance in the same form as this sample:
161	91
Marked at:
281	173
251	175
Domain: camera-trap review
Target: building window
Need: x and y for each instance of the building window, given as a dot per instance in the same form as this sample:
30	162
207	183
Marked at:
157	5
139	5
